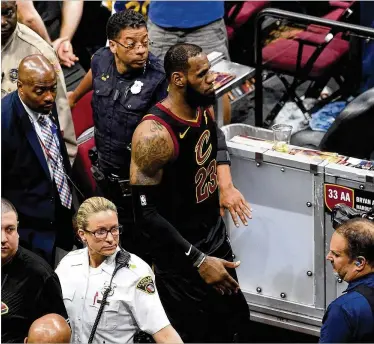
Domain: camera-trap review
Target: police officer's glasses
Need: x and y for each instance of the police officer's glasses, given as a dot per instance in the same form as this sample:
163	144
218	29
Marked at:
133	46
102	233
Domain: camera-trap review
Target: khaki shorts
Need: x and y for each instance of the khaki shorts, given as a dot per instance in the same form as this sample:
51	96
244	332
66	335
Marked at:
212	37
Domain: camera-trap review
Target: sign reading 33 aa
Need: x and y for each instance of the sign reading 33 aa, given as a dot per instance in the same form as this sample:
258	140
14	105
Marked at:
354	198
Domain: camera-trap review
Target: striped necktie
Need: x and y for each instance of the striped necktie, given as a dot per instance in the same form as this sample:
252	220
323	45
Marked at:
55	159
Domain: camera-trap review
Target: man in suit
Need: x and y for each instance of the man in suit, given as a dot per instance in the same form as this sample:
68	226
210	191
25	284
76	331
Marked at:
19	41
35	163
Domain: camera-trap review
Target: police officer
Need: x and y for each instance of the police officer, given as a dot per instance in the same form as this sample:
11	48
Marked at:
103	273
127	81
19	41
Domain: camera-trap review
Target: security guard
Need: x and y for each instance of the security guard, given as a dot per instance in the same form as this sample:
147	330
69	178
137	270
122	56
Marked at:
102	273
127	81
17	42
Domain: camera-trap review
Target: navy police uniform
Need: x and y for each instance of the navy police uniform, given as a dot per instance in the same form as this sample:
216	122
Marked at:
119	103
188	199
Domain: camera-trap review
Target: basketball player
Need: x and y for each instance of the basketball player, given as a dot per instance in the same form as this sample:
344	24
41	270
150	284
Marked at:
175	180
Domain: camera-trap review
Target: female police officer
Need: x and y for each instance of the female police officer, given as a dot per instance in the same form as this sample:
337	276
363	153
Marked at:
132	302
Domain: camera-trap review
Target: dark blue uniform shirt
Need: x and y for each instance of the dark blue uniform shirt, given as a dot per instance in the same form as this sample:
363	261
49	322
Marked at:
119	102
349	318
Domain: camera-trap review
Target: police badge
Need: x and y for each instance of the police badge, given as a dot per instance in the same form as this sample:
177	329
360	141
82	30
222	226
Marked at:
106	286
13	74
137	87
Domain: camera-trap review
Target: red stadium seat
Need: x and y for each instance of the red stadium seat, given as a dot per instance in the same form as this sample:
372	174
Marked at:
312	55
84	131
240	26
82	115
239	14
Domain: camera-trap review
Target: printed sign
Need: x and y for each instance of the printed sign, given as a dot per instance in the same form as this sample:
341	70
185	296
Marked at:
354	198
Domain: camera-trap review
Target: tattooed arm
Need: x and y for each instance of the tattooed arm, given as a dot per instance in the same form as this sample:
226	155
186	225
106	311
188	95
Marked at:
152	148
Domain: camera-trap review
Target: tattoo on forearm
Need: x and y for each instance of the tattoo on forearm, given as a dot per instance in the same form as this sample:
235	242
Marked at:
139	178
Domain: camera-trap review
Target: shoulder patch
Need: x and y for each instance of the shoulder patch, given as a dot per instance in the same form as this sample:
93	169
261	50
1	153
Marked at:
146	285
13	75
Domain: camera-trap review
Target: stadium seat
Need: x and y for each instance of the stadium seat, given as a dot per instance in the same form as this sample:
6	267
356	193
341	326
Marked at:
84	131
351	133
315	54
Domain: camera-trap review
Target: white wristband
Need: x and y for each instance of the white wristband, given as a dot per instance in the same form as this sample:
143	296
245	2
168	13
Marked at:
201	262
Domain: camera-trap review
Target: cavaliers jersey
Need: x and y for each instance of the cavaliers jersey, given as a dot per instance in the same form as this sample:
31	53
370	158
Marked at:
188	196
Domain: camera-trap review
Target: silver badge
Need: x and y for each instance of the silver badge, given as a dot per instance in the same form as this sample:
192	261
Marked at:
13	74
136	87
106	286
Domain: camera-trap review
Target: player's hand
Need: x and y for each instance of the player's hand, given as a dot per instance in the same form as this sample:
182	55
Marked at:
71	99
231	198
213	271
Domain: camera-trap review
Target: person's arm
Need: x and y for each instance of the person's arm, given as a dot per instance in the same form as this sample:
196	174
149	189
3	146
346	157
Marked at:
147	309
167	335
226	109
229	197
28	15
71	17
336	327
83	88
152	149
50	298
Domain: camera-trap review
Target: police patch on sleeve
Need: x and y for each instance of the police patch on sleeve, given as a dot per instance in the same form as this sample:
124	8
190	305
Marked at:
13	75
146	285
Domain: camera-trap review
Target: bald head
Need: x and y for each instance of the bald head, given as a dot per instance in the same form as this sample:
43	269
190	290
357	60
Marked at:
37	83
35	67
51	328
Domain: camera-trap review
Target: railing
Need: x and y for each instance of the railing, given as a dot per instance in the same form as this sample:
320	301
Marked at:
365	32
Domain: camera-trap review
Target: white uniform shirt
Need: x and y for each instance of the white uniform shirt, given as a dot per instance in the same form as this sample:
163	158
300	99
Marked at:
134	303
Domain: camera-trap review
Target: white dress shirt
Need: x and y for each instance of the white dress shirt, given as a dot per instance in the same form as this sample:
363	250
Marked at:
34	116
133	304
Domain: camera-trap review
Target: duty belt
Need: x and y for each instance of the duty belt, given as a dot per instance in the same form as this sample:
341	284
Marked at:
110	182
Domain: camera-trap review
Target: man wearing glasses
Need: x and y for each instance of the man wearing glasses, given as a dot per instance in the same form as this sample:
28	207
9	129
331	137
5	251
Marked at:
127	80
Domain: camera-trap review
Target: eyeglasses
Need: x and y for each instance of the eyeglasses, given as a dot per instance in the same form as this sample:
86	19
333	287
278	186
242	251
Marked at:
133	46
102	233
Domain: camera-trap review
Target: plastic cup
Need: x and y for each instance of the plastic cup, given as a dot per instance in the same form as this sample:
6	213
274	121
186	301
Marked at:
282	136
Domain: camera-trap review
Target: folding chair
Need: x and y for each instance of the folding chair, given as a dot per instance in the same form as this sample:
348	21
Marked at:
313	55
84	131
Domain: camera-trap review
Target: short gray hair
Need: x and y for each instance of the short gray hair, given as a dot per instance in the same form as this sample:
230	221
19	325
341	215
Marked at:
7	206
